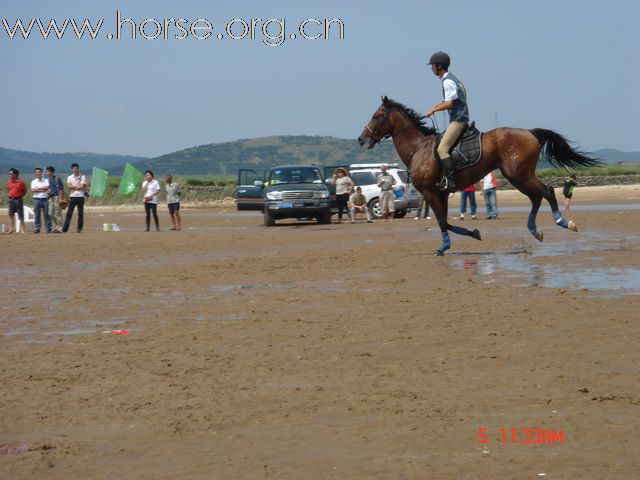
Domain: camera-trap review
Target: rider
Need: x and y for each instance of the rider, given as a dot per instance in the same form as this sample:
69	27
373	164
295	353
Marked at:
455	100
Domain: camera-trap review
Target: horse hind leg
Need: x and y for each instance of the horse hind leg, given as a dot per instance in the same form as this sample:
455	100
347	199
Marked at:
550	196
536	200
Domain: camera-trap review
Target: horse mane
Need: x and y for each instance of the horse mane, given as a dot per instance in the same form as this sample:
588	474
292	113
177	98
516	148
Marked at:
414	117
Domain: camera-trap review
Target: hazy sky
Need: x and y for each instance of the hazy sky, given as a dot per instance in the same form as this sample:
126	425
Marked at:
571	66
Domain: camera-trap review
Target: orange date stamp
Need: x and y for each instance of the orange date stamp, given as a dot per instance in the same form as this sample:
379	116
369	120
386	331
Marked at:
518	436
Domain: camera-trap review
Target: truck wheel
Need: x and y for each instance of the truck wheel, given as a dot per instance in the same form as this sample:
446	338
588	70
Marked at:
324	218
269	219
374	208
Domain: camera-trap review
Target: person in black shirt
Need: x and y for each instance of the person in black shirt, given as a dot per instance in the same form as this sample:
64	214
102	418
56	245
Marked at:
567	191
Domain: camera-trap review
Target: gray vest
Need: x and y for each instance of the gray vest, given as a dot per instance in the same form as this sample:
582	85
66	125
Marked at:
460	111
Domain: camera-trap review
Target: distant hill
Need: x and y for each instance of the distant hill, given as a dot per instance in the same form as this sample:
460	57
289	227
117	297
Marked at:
226	158
27	161
262	153
611	155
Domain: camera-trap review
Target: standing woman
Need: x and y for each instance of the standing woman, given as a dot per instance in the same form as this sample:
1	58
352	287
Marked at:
344	186
151	187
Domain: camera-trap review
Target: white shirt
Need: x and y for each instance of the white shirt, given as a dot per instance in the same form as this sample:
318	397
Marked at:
173	192
342	185
489	181
39	183
151	188
450	89
76	181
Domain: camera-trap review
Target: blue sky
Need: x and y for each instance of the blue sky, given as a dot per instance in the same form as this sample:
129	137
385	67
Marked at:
571	66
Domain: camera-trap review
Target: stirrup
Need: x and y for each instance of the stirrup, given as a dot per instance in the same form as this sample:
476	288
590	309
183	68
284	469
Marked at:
446	184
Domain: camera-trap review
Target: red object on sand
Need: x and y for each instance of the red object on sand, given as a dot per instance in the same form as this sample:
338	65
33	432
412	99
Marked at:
119	332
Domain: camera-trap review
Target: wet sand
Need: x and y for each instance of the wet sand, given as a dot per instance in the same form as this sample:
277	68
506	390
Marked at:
320	351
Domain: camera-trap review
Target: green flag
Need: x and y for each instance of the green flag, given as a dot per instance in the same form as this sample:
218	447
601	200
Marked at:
130	181
98	182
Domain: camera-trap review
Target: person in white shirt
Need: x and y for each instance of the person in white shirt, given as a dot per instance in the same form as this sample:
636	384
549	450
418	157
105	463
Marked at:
173	202
387	201
455	101
40	189
489	184
76	184
151	188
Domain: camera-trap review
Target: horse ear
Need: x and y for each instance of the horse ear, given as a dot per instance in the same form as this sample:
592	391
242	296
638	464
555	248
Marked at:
385	100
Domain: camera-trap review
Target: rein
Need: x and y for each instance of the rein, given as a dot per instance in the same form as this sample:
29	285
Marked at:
418	144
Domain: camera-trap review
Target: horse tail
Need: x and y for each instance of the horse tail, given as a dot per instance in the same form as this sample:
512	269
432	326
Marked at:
555	149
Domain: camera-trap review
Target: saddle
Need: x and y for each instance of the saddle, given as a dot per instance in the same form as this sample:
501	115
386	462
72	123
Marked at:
467	150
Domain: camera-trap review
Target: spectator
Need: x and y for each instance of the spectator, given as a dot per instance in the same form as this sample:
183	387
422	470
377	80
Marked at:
76	183
567	191
40	190
489	184
344	186
173	202
151	187
424	205
56	193
16	190
469	194
386	182
358	203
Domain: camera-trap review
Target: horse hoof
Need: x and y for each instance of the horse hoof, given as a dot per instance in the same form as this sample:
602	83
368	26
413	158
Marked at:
539	235
438	253
572	226
476	234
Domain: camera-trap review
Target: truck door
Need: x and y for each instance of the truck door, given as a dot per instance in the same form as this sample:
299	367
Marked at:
249	190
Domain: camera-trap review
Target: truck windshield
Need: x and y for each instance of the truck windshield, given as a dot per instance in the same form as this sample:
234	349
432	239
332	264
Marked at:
295	175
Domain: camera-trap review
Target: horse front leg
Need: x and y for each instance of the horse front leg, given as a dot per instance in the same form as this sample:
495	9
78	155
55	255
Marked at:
439	201
461	230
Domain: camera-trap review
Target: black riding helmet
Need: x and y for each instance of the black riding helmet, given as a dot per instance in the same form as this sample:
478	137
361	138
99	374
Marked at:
440	58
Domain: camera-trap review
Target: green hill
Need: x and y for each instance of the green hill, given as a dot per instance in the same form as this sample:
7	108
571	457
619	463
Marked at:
262	153
27	161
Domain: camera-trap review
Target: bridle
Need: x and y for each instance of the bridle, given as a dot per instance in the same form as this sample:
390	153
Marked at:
377	138
372	133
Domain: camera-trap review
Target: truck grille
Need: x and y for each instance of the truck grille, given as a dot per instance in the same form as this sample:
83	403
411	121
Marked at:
304	195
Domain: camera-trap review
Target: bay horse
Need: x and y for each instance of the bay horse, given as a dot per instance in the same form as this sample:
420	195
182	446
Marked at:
515	151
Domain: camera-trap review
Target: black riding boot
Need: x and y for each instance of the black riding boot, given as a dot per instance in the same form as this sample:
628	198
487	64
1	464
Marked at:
447	182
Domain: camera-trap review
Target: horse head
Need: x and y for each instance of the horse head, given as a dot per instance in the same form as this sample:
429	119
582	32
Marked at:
378	127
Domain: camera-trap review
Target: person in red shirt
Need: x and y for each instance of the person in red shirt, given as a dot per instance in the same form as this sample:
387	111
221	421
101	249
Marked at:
16	189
